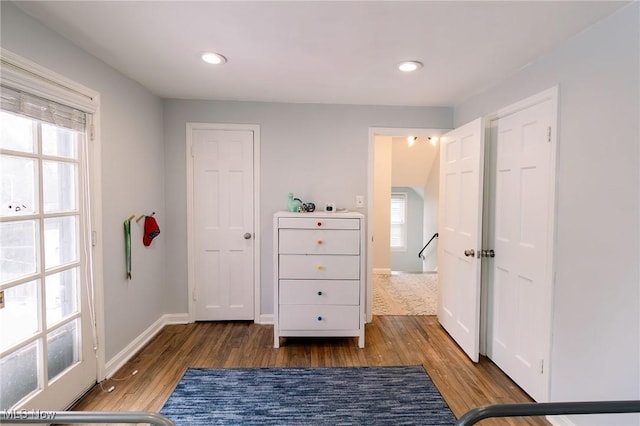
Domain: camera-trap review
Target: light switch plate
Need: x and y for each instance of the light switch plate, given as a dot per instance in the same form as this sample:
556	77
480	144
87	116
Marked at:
359	200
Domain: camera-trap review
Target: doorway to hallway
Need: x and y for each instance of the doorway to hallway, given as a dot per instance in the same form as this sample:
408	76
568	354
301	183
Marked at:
405	293
403	216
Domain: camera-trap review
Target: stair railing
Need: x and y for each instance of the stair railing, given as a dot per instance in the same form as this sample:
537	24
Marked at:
474	415
425	246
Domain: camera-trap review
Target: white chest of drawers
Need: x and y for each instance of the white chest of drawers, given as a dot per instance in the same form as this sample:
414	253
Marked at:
319	275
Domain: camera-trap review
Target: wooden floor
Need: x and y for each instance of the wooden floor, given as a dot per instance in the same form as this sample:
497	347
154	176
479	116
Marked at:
390	340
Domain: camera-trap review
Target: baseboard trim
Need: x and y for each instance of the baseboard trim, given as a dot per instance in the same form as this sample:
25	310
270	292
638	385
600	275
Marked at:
121	358
559	421
382	271
176	319
266	319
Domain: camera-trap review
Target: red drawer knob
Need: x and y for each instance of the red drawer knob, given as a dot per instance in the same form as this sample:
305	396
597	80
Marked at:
319	223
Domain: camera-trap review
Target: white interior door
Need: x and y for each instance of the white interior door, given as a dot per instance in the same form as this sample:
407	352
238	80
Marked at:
522	233
460	217
223	224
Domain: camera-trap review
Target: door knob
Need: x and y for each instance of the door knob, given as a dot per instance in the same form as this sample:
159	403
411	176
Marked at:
247	235
470	253
487	253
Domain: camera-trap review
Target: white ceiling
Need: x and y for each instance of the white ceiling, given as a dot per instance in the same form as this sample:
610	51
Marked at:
319	52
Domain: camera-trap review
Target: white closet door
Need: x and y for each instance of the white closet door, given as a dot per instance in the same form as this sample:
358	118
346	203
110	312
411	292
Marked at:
223	224
520	288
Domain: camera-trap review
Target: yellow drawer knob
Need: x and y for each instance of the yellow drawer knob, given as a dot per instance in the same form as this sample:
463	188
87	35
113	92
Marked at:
319	241
320	267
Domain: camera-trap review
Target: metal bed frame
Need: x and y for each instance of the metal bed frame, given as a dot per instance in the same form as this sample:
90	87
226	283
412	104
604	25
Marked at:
80	417
475	415
471	417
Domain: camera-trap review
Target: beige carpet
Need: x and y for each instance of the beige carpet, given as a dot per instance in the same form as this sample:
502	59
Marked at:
405	294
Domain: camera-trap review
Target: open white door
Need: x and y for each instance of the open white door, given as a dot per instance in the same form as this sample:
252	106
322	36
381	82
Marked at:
460	217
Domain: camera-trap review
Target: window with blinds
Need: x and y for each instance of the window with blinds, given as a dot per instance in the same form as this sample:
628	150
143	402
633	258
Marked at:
399	221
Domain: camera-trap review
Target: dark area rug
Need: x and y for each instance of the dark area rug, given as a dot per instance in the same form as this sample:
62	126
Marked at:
403	395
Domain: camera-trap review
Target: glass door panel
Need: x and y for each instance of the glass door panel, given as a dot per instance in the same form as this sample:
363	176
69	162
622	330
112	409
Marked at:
19	317
60	241
17	133
62	348
18	194
46	345
19	375
62	295
18	249
60	192
59	142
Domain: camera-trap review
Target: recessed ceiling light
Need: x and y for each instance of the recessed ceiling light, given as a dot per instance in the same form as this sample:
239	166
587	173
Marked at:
409	66
213	58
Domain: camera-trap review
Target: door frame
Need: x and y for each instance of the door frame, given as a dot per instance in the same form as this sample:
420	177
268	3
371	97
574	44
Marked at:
257	293
486	310
373	132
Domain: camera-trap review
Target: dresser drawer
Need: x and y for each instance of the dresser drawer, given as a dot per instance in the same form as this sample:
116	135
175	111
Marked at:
319	317
318	223
325	241
319	292
318	267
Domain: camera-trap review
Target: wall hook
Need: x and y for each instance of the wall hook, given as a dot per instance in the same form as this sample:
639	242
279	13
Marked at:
143	216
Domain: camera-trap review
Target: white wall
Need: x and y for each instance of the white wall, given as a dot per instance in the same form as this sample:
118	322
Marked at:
318	152
596	333
411	165
431	198
407	260
132	177
383	154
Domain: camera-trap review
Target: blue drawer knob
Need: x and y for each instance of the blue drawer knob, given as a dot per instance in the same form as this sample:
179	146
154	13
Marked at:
319	318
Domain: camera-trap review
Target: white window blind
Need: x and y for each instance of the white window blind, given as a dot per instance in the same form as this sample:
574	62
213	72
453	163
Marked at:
41	109
398	221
